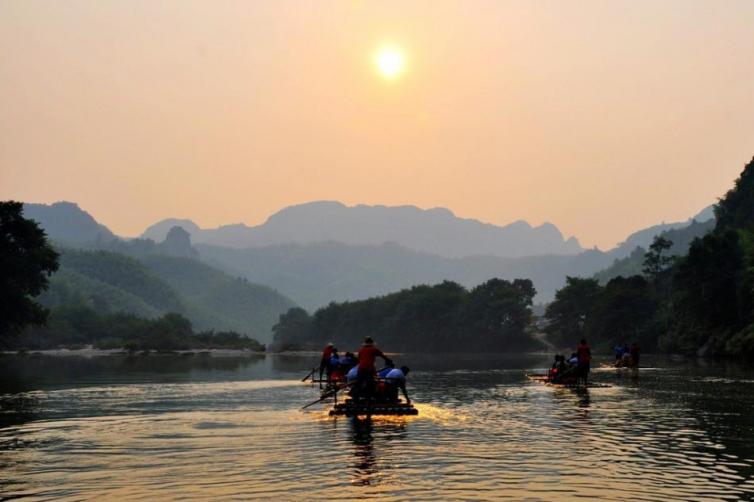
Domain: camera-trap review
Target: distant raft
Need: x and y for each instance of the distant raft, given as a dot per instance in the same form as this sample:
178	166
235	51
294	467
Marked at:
351	408
545	379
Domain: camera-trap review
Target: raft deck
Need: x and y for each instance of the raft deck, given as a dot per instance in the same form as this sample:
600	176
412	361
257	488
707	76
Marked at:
546	380
353	409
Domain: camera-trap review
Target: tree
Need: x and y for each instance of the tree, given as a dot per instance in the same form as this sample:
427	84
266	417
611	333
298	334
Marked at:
625	312
292	328
736	209
26	262
655	261
569	314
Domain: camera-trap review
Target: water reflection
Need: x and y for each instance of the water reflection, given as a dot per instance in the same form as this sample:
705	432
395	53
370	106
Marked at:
365	465
232	428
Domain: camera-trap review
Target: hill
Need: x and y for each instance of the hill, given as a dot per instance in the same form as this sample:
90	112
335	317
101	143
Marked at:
437	231
156	285
313	275
66	222
632	264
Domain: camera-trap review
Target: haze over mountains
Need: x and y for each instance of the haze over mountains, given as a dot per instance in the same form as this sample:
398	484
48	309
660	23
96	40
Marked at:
297	252
437	231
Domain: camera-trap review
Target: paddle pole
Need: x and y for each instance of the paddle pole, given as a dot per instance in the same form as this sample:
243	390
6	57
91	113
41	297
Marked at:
311	374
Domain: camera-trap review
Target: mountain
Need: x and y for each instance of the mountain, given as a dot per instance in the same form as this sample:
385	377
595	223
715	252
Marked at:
317	273
66	222
155	285
634	262
313	275
437	231
643	238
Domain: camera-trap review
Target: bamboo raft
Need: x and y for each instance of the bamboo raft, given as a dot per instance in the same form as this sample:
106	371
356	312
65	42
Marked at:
350	408
545	379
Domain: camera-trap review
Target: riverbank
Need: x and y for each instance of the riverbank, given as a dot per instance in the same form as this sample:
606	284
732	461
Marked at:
92	352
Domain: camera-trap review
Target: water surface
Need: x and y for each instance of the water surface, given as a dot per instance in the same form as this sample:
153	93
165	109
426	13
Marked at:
164	427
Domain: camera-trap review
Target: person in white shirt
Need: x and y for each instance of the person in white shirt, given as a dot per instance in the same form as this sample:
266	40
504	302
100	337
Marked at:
396	379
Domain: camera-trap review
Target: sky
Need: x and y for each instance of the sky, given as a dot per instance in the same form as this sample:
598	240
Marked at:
602	117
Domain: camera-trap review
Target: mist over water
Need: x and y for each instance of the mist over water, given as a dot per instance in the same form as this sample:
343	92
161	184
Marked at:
199	427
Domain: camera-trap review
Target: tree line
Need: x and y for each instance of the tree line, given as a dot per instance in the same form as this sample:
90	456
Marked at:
492	317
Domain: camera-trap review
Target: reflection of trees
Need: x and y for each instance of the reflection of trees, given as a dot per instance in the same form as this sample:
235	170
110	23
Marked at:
20	374
18	409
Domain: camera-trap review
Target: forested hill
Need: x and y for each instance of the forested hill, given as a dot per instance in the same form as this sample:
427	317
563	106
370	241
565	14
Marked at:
681	239
152	286
446	318
699	303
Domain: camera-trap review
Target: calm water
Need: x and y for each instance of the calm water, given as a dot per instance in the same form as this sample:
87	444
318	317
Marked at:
165	427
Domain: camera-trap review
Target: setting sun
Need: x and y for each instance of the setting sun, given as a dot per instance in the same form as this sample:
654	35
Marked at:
390	62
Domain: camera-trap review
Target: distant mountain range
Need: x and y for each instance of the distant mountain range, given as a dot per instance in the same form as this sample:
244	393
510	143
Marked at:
312	268
437	231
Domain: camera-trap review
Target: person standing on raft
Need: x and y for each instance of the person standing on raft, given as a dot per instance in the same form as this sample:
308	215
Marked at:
324	363
368	354
584	353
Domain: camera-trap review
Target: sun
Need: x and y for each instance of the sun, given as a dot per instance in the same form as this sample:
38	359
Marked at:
390	62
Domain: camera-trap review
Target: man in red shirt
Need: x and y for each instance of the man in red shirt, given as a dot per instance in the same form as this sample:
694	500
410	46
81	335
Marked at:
585	360
368	354
324	363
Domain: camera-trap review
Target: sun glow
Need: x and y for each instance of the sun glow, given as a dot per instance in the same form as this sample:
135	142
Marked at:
390	62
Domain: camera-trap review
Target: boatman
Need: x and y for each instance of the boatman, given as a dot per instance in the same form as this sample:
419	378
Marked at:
396	379
368	354
324	362
585	360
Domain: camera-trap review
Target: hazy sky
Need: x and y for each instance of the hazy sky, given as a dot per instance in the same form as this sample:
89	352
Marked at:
601	117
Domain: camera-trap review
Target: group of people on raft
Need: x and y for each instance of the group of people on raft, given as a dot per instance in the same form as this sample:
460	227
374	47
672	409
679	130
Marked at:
359	372
573	370
627	357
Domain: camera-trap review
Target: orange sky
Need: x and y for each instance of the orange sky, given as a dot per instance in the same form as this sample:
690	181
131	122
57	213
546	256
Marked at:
600	116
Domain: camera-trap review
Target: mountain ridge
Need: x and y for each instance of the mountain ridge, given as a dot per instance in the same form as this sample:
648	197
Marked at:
436	230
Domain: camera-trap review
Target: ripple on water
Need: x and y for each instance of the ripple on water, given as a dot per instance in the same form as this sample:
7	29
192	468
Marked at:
505	438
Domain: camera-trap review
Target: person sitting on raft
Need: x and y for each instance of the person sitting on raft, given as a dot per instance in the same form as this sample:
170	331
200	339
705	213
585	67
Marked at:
558	369
394	380
619	351
368	354
347	361
337	372
634	352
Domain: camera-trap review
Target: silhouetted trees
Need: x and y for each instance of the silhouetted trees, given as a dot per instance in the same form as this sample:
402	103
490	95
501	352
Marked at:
699	303
26	261
493	317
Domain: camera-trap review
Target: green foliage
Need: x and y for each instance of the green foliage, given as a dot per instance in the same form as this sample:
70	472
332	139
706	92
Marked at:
634	263
657	260
700	303
217	300
152	285
493	317
736	209
570	314
625	312
26	261
80	325
293	326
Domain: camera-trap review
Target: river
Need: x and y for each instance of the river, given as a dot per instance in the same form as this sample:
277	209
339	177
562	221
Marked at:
195	427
